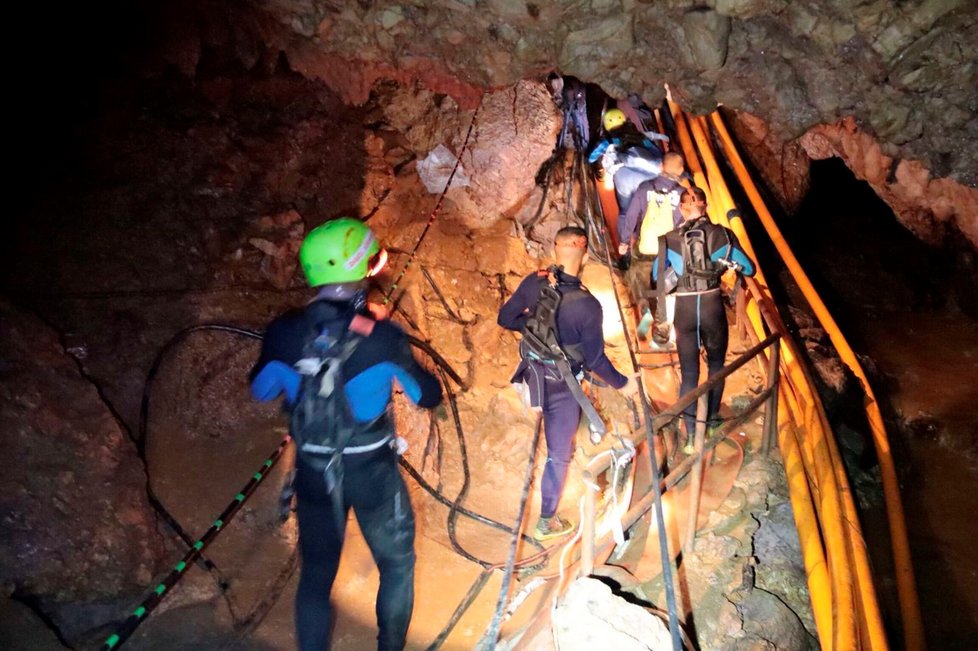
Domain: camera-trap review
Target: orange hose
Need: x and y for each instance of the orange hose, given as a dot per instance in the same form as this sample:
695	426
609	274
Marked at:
833	599
906	584
843	535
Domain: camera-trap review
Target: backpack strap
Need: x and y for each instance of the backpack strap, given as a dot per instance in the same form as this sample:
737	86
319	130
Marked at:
540	343
660	283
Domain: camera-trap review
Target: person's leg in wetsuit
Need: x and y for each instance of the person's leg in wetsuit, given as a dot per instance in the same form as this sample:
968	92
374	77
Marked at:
700	321
373	486
320	545
714	333
383	510
561	416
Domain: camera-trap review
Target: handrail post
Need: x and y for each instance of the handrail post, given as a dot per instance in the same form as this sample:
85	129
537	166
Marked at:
740	309
771	409
696	480
588	525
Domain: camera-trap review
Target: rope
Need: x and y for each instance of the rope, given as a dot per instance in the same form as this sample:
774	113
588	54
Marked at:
434	211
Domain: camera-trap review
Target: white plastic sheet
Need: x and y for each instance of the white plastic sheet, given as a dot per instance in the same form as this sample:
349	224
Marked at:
437	166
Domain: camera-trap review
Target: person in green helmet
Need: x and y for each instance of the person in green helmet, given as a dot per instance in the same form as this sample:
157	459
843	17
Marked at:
334	364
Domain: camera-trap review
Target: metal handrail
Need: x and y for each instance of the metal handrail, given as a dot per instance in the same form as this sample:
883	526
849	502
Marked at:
602	463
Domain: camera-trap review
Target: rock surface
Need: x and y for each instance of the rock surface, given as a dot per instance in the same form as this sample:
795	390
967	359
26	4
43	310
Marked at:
589	616
905	73
79	534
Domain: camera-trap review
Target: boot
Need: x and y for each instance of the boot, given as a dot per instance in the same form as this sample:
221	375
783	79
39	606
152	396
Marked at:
552	527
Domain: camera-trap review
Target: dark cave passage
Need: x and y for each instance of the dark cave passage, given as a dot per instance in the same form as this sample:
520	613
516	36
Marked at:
910	309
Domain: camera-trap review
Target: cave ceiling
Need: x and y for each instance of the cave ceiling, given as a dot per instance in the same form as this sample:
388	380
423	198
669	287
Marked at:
906	71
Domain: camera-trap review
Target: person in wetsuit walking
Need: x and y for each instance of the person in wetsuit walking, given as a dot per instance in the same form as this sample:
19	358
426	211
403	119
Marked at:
699	252
579	332
357	468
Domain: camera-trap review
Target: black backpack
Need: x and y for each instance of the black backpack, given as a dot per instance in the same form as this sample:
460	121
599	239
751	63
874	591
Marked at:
701	273
540	341
321	421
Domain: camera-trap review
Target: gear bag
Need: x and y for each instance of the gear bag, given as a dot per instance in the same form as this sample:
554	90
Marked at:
321	421
540	344
700	272
658	220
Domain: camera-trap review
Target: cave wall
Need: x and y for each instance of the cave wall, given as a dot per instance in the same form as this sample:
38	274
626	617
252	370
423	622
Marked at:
895	80
80	540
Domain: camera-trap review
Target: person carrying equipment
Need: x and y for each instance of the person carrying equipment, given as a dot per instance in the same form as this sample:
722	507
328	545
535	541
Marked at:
690	262
653	211
334	365
629	156
561	324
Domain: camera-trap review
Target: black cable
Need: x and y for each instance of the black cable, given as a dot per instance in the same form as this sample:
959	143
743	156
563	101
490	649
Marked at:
441	297
492	633
674	628
463	605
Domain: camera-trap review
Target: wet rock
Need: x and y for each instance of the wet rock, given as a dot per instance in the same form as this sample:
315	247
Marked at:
785	166
591	617
78	530
780	569
923	204
22	630
517	128
869	60
747	8
280	238
773	624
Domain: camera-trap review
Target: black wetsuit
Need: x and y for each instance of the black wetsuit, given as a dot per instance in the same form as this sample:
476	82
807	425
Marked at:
701	317
372	483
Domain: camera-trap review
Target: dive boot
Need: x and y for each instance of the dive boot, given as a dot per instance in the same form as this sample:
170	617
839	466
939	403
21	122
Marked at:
552	527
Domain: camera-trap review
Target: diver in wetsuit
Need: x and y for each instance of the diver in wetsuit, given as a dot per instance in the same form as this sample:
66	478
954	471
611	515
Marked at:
699	252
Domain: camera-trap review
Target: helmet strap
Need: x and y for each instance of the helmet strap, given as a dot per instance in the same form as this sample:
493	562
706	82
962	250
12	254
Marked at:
355	292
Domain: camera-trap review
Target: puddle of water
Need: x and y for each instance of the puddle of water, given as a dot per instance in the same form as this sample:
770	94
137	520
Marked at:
934	360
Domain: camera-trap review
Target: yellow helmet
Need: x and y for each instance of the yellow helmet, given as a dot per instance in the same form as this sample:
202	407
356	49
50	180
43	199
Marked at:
613	119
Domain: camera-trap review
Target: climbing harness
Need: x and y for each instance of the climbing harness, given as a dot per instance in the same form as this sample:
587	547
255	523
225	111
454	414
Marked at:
540	343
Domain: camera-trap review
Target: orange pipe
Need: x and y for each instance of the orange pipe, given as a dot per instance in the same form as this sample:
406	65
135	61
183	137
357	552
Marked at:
833	608
685	146
828	460
906	584
839	531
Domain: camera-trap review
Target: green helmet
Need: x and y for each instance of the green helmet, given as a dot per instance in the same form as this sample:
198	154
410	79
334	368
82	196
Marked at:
343	250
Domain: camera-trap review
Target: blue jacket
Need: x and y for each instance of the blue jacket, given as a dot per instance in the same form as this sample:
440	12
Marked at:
382	357
579	323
